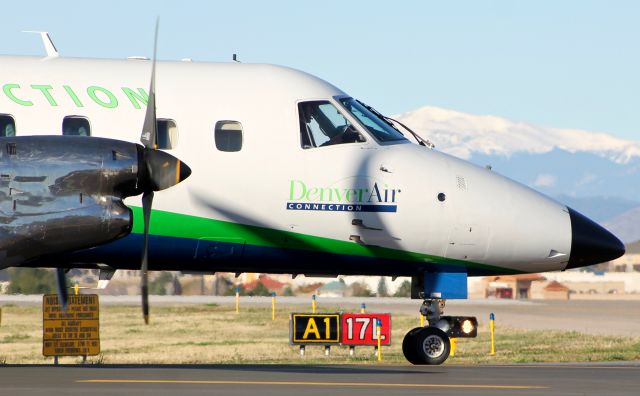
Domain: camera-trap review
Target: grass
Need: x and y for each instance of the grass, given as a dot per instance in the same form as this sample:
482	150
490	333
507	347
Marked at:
210	333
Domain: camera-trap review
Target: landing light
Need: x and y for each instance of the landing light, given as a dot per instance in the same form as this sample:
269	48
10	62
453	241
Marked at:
458	326
467	326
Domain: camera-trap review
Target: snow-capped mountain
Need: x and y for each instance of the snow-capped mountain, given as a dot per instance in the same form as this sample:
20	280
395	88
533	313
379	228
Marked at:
463	134
557	162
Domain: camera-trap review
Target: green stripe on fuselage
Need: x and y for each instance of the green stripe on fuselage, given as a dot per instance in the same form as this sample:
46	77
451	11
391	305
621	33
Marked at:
177	225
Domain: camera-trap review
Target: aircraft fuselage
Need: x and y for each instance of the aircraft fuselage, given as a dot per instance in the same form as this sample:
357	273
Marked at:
287	177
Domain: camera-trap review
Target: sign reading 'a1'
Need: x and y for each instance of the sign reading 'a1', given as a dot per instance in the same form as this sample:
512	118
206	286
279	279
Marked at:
315	328
361	329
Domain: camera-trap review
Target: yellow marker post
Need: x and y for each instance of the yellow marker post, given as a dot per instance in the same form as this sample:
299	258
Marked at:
421	320
378	333
362	308
313	303
273	306
76	289
492	330
237	300
454	343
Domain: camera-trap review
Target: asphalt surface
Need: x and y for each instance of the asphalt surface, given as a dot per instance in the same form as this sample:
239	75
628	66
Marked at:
283	380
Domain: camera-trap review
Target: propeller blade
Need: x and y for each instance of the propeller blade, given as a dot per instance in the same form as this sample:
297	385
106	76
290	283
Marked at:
150	126
158	171
61	283
147	201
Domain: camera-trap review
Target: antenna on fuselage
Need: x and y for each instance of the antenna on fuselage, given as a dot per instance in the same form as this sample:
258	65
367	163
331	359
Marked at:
235	58
49	47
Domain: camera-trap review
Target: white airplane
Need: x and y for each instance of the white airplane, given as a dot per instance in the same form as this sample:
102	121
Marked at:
286	174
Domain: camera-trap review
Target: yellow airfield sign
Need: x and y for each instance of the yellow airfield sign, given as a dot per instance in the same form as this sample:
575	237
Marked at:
314	328
74	332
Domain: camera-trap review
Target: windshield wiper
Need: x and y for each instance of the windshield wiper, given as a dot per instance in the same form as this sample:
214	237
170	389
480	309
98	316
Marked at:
392	123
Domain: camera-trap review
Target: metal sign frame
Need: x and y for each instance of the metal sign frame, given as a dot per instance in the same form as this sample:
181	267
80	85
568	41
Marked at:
369	339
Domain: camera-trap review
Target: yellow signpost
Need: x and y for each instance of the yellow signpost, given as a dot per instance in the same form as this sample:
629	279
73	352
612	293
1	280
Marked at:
492	329
74	332
379	339
237	300
273	306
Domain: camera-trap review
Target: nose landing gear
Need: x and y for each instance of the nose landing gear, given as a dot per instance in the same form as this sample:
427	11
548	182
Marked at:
431	345
427	345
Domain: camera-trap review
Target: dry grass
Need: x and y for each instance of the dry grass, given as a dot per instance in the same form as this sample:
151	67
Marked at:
216	334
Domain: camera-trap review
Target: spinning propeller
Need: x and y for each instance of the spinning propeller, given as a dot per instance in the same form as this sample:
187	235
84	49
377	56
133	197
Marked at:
157	171
160	171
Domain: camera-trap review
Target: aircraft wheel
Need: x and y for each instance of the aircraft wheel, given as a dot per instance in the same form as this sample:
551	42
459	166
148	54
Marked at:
433	345
410	346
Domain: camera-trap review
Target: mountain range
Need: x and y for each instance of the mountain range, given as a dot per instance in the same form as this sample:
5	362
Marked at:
593	172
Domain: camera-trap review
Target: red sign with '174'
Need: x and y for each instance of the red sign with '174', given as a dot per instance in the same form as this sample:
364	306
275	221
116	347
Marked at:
361	329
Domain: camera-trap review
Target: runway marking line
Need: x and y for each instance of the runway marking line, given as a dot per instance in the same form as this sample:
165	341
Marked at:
549	366
302	383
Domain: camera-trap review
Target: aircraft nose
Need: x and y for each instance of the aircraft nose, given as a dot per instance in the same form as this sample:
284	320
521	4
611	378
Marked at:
591	243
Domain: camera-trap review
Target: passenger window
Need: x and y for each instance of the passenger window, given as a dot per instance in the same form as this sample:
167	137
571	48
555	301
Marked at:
228	136
167	134
7	126
321	124
76	126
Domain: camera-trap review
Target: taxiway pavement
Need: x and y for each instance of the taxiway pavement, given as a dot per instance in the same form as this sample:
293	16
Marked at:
294	380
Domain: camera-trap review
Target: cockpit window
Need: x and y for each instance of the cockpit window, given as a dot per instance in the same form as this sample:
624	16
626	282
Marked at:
321	124
374	124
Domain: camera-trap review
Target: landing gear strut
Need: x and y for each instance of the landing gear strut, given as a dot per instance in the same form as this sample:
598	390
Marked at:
427	345
430	345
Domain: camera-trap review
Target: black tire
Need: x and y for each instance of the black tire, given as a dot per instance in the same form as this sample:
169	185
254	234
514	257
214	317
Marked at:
410	346
432	345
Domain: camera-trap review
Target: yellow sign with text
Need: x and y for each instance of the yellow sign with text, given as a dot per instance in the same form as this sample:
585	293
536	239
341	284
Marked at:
310	328
74	332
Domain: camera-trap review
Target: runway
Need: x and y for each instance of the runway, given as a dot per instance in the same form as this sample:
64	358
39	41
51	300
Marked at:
283	380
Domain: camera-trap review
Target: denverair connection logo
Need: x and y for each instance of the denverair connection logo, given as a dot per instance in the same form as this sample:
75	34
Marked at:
374	198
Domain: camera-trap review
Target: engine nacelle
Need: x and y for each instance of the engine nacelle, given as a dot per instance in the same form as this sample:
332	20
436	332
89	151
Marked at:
63	193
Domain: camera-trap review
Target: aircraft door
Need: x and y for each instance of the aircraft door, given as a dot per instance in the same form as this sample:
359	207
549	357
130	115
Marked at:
343	193
325	193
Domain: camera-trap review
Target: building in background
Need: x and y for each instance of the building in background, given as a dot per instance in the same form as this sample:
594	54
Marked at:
629	262
552	290
334	288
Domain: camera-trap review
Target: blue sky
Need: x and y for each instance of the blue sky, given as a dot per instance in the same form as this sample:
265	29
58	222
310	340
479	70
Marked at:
554	63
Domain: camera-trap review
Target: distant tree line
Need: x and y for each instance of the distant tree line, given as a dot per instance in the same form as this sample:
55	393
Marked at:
31	281
42	281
